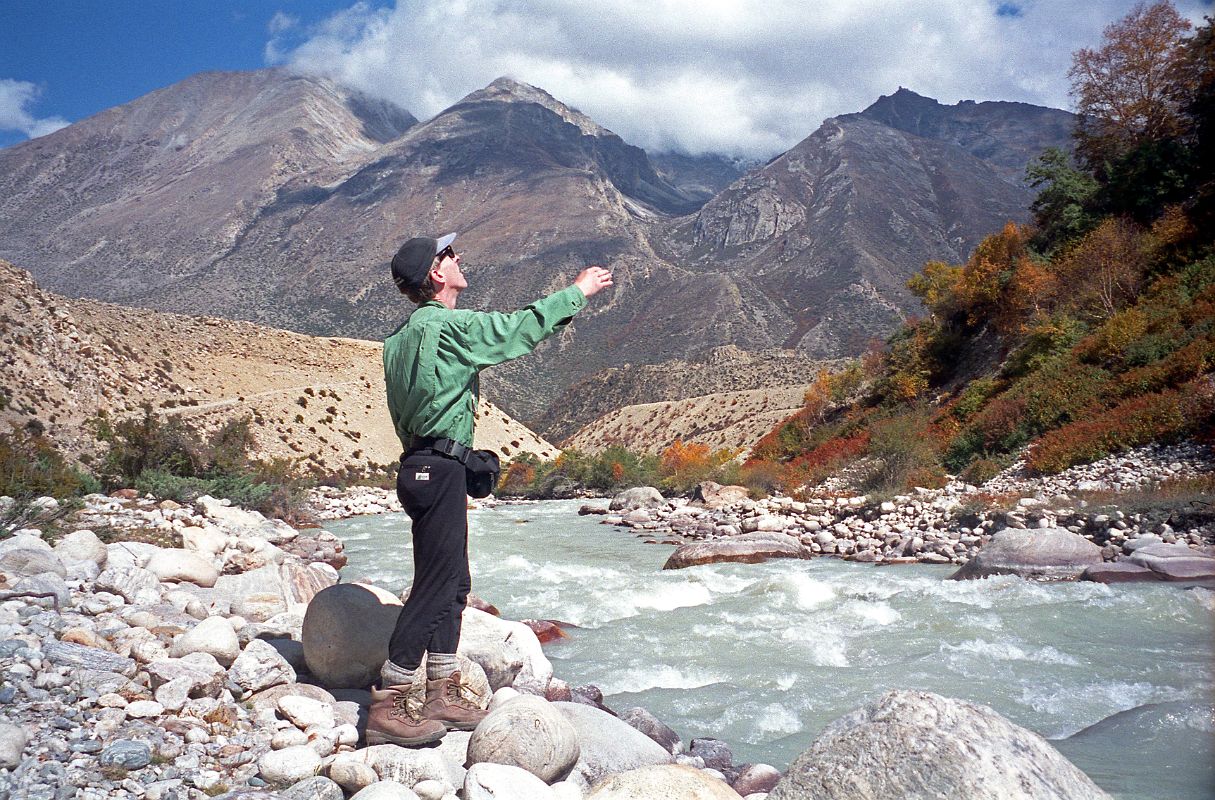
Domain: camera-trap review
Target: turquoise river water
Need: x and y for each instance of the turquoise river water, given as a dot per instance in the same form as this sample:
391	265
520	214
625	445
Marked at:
763	656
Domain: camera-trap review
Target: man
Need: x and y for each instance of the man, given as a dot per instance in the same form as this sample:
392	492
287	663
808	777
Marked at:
431	366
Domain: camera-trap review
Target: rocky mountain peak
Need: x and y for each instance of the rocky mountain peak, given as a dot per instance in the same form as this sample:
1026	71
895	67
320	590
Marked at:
508	90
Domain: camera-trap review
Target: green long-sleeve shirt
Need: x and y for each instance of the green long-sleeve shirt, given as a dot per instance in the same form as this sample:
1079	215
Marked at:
432	361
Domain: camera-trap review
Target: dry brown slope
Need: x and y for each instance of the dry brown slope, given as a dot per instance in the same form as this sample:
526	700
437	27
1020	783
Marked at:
317	399
724	420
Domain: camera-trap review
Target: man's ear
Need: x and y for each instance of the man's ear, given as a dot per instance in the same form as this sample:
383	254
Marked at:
436	277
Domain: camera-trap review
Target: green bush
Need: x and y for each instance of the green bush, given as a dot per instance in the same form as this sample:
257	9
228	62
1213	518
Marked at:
905	455
31	466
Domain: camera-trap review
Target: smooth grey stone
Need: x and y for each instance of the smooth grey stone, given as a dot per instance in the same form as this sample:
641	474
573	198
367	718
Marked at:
919	744
663	782
1042	554
608	745
126	753
314	788
13	739
637	497
529	733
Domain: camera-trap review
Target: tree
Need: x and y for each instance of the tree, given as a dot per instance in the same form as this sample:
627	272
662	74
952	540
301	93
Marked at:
1125	90
1062	209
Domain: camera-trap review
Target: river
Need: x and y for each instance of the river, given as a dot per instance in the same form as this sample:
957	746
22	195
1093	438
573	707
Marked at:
763	656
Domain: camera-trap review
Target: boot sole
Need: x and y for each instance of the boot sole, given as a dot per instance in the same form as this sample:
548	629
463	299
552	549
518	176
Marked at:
458	726
376	737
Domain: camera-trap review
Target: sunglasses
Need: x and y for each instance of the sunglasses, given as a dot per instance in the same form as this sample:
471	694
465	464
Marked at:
446	252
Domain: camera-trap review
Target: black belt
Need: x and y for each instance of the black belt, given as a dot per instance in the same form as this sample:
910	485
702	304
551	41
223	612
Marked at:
444	447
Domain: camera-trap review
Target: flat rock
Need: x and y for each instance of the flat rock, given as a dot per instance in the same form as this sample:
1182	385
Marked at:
1118	572
205	674
508	651
917	744
84	657
663	782
403	764
176	565
314	788
1040	554
499	781
747	548
131	583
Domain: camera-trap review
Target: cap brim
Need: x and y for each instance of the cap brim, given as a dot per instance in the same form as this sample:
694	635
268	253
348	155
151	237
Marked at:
444	242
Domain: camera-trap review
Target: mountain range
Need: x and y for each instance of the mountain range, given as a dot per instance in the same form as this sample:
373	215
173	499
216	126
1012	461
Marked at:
279	198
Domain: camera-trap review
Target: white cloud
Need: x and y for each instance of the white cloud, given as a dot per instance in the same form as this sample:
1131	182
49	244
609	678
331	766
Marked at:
16	97
749	77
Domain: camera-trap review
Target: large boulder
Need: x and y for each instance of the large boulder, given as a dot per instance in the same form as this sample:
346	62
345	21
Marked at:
346	632
608	746
508	651
713	495
1052	554
529	733
663	782
133	584
637	497
175	565
921	745
406	765
748	548
82	545
22	562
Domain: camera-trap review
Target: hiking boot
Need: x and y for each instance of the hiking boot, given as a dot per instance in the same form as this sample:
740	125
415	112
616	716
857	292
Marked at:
395	718
449	701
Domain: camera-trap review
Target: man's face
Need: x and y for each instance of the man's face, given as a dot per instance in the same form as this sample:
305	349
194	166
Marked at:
449	268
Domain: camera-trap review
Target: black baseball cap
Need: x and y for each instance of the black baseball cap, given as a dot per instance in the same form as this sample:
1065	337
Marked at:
411	264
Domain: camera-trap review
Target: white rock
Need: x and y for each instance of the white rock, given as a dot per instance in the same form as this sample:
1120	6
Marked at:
288	737
82	545
430	790
208	541
142	709
213	635
13	740
304	712
386	790
182	566
289	765
499	781
174	694
259	666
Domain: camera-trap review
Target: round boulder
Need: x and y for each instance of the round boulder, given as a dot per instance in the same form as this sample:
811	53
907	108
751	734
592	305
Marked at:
526	732
13	740
339	653
24	562
1049	554
637	497
663	782
175	565
919	744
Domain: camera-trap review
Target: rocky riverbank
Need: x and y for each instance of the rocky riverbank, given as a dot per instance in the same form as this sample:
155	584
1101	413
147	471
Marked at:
938	526
196	654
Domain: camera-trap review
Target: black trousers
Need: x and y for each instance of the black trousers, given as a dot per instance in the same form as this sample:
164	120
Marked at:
434	491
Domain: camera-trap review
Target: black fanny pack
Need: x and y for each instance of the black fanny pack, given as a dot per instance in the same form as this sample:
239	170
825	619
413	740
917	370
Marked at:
481	467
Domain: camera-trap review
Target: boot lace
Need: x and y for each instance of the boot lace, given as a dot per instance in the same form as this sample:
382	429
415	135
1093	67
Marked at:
407	704
461	692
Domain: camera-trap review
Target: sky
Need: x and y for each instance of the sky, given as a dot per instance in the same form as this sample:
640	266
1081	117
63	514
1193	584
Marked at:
748	78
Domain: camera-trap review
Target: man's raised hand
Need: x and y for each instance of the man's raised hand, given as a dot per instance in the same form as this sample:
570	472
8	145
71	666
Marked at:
592	279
